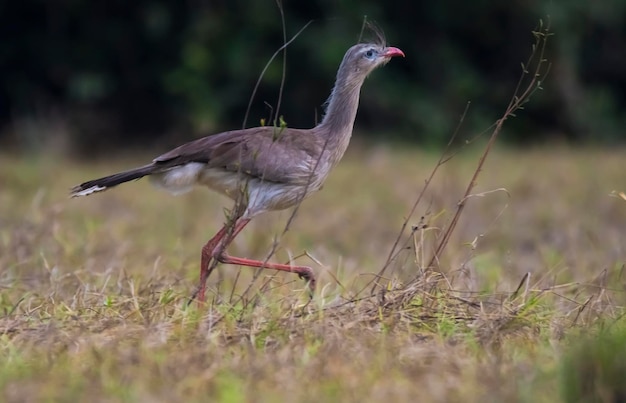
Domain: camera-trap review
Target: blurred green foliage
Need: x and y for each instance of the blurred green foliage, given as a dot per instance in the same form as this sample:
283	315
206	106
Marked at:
593	368
168	71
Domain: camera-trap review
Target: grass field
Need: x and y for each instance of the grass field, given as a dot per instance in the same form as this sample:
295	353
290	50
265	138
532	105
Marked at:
527	303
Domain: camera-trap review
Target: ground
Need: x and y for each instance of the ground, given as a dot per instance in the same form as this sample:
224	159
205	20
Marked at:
526	303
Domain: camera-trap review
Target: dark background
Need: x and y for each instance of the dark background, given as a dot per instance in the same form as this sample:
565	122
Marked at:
89	75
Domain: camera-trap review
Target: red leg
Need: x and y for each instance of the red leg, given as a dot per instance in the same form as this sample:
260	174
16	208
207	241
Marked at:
302	271
215	249
205	259
215	243
220	255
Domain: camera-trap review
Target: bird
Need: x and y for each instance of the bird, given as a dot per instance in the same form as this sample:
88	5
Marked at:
262	168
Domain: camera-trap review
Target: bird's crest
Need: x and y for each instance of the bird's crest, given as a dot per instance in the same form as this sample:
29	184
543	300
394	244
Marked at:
372	33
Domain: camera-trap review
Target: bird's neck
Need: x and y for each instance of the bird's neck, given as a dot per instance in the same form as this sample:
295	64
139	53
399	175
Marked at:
340	113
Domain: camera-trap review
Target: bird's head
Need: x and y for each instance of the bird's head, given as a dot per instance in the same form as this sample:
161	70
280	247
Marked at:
362	58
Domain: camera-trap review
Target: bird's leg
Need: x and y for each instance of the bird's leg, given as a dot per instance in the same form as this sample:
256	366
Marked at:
208	250
303	272
215	249
205	259
221	256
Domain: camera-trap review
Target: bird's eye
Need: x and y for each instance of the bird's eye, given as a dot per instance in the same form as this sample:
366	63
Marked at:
369	54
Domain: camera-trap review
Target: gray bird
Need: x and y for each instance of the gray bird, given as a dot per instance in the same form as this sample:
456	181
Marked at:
263	168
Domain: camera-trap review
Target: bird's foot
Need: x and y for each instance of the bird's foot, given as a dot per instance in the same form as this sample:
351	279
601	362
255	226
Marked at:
308	276
197	296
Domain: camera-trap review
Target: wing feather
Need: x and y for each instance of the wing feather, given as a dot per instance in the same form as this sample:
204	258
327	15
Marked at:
271	154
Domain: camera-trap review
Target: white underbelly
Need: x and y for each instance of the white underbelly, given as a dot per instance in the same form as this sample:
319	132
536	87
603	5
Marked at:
259	196
180	179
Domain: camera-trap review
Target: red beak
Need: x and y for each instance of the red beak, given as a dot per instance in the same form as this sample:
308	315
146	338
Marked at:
391	52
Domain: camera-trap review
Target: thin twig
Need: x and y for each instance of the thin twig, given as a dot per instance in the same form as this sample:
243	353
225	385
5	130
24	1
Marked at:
442	160
516	103
284	73
276	243
267	65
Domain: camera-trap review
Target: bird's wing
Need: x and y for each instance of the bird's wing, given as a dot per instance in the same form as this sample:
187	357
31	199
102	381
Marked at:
272	154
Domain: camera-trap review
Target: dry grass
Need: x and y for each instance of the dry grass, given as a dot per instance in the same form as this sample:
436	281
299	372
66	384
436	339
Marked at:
93	291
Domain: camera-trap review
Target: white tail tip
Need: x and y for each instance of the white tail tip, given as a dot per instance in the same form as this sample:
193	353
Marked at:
88	191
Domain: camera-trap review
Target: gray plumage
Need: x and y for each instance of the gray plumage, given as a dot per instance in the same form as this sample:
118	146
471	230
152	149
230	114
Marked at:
277	165
263	168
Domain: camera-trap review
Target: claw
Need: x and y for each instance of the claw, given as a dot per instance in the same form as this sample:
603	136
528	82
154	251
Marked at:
309	277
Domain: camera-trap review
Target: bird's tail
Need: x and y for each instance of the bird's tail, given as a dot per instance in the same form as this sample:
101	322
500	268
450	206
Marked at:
99	185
